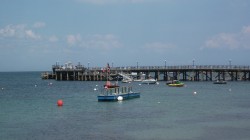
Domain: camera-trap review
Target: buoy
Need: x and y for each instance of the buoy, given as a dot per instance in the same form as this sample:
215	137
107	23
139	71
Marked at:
95	89
139	84
120	98
195	93
230	90
35	85
60	102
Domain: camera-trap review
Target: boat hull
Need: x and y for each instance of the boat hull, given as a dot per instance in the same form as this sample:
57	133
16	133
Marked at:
176	85
149	82
108	98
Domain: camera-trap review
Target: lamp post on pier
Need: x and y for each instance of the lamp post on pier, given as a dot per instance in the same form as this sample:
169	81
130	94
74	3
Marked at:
193	62
88	65
137	64
230	61
165	64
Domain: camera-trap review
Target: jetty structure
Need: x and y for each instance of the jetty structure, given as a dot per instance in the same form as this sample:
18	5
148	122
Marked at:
78	72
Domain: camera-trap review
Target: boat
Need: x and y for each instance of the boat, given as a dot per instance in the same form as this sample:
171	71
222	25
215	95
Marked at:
108	84
112	92
149	81
175	83
117	94
220	82
126	81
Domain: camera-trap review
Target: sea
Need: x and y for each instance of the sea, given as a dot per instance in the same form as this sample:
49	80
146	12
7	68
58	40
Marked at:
197	111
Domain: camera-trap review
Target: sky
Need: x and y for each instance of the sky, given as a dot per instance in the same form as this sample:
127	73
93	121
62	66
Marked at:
35	34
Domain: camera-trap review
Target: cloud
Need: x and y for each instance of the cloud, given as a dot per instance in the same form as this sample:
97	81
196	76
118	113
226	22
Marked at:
32	35
73	39
7	31
39	25
12	30
246	30
233	41
107	41
18	31
97	41
159	46
53	39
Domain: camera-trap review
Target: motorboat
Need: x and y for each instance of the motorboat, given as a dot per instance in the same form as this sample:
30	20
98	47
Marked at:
149	81
175	83
126	81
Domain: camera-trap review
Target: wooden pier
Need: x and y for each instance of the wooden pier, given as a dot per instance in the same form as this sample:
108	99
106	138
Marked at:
164	73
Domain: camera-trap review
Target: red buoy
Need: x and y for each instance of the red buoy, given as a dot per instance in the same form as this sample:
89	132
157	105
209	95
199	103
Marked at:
60	103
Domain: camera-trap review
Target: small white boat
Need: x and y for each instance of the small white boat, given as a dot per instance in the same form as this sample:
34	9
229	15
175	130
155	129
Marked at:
126	81
149	81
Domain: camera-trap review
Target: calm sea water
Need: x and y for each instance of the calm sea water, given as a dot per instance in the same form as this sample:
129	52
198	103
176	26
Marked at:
29	111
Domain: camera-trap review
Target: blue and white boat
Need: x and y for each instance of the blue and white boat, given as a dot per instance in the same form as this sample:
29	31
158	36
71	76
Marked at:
117	94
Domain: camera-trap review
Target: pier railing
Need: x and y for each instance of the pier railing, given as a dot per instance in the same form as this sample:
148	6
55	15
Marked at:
181	67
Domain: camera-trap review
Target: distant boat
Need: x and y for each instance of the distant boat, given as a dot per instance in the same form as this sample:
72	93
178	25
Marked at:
117	94
126	80
175	83
149	81
137	80
220	82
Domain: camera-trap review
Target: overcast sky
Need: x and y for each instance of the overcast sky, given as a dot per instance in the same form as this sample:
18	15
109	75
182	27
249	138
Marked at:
35	34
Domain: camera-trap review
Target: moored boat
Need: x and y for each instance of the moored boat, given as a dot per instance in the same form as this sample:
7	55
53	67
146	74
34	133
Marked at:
175	83
112	92
126	81
117	94
149	81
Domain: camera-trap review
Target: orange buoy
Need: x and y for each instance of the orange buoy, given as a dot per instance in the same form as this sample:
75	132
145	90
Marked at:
60	103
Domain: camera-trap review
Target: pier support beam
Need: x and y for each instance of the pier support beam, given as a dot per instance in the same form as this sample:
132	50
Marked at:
61	76
184	76
165	77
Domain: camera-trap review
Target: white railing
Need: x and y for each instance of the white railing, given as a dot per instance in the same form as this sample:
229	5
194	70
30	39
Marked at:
180	67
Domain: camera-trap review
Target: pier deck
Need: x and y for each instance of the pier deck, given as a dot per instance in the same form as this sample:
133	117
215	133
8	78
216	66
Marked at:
165	73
